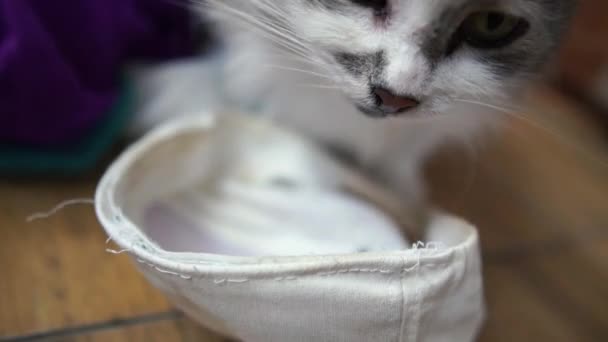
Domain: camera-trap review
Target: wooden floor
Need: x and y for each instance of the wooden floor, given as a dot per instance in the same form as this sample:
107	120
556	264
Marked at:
540	202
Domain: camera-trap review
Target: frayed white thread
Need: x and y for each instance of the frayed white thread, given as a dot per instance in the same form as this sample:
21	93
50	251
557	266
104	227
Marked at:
424	246
354	270
418	245
113	251
412	334
435	245
431	245
238	280
59	207
414	267
183	276
224	281
418	300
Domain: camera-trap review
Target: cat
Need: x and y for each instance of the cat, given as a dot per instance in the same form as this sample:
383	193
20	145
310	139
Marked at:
386	80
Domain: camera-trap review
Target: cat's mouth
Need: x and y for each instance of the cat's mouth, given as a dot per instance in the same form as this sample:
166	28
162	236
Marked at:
387	103
380	111
374	112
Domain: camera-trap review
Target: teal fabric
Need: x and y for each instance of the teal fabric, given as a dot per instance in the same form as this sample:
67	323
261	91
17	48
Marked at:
78	157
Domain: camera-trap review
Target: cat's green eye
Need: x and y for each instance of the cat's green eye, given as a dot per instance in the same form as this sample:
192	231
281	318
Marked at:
492	29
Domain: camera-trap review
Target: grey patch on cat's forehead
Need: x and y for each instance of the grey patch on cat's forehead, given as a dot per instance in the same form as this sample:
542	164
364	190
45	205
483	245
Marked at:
435	37
371	64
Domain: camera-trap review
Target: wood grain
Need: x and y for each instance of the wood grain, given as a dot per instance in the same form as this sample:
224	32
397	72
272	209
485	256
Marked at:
180	330
575	281
518	311
174	330
56	272
557	297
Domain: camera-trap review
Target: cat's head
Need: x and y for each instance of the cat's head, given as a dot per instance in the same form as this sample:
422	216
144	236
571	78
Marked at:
392	56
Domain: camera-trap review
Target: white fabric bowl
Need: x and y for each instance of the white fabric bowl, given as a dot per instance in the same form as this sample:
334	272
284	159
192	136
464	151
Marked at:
306	281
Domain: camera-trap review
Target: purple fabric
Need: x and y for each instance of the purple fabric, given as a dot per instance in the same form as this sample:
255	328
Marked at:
61	60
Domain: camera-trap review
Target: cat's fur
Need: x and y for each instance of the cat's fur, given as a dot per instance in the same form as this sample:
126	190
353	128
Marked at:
311	63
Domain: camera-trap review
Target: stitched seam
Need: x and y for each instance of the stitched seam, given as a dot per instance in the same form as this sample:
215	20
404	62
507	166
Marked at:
117	218
418	304
158	269
223	281
403	306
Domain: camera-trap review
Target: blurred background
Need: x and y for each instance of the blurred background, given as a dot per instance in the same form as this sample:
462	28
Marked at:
538	191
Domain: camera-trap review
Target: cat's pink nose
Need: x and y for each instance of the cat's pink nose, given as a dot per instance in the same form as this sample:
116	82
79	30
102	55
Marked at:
394	103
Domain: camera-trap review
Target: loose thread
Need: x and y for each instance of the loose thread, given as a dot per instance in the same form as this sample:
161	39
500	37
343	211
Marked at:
113	251
59	207
431	245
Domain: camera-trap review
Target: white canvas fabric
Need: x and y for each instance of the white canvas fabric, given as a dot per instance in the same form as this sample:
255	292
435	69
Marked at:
244	227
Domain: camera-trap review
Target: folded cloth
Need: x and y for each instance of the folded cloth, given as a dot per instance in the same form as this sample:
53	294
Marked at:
61	62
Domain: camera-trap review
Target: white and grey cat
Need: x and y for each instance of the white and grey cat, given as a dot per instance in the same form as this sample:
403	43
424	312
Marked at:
389	80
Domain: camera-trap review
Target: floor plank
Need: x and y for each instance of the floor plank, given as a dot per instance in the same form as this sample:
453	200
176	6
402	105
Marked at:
519	312
56	271
575	281
557	297
182	330
179	329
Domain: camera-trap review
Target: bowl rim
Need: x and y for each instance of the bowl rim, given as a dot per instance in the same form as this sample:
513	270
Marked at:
131	239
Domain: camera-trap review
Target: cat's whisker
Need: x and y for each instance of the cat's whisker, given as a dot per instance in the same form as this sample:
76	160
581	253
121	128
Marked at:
303	71
283	32
268	30
564	140
279	34
318	86
292	49
313	60
280	13
310	60
316	62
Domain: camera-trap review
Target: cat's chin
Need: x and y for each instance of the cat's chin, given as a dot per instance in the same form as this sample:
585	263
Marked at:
377	113
372	112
